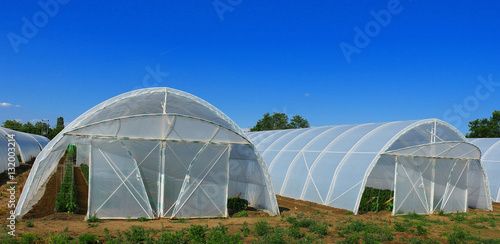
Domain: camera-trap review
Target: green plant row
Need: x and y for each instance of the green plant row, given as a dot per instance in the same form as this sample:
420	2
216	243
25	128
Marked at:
375	200
85	171
66	199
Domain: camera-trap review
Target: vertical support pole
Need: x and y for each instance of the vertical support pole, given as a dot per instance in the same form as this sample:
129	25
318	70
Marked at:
433	179
467	186
90	180
227	177
395	189
161	189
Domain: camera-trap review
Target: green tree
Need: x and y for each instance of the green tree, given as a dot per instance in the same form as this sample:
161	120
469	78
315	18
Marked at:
13	125
485	128
28	127
298	122
42	128
59	127
279	121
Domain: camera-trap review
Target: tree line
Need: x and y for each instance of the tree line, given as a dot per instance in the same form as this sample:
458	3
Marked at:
39	128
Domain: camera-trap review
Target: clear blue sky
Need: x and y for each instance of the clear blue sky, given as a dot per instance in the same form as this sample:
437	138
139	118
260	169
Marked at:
256	57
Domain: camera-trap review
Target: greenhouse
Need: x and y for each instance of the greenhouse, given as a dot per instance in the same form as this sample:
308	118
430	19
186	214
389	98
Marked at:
27	146
428	164
158	152
490	158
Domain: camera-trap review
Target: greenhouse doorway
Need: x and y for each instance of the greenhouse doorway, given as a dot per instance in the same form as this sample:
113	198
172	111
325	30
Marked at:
157	178
433	177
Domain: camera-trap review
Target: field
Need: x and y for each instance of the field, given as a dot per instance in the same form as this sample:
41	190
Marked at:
300	222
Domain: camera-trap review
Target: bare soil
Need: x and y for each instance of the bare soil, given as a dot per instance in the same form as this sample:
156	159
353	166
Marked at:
75	225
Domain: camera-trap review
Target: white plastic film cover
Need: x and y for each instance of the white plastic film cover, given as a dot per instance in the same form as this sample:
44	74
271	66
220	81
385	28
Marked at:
332	165
144	141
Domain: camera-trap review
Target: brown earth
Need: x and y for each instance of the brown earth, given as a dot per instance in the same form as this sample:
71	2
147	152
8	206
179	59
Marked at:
75	225
82	191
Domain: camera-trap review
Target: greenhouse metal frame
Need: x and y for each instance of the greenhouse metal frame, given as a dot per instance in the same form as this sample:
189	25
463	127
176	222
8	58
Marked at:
490	148
158	152
428	163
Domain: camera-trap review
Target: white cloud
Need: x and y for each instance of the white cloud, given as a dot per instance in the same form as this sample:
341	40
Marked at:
307	94
7	105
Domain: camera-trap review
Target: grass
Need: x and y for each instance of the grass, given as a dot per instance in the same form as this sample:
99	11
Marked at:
241	214
369	232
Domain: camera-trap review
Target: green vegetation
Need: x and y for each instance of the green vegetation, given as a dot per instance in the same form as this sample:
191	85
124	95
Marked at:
241	214
137	234
66	199
85	171
376	199
143	219
87	239
29	223
279	121
237	204
353	230
93	219
39	128
483	128
30	238
297	228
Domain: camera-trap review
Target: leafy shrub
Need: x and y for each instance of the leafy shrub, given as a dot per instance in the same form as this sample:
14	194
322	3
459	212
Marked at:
399	227
421	230
172	238
30	238
262	228
383	234
219	235
237	204
245	230
241	214
59	239
458	236
294	231
93	219
29	223
142	219
274	237
350	239
349	213
87	239
415	216
137	234
197	233
319	229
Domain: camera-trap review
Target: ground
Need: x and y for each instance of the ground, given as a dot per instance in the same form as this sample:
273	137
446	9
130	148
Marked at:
340	225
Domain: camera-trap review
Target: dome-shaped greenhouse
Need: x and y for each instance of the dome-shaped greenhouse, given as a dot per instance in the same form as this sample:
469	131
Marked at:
490	158
158	152
428	164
